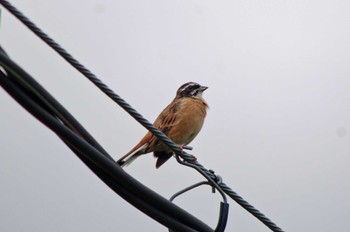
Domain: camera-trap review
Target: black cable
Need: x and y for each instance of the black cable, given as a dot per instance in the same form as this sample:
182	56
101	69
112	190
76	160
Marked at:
224	206
121	102
49	103
88	74
127	187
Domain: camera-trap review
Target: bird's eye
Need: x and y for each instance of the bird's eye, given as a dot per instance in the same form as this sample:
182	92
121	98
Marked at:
189	89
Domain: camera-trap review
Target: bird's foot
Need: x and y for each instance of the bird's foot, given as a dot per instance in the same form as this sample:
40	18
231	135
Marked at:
189	156
193	158
185	147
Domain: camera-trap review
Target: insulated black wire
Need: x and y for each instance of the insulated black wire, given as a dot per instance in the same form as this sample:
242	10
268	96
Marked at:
49	102
121	102
154	205
88	74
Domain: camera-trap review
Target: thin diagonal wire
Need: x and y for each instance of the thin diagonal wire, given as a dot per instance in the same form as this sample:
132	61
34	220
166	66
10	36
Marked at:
137	116
251	209
88	74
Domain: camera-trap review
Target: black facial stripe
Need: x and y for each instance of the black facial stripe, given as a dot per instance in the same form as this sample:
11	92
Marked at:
189	84
188	89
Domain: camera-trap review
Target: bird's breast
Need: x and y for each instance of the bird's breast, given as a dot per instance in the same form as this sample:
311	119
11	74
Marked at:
190	117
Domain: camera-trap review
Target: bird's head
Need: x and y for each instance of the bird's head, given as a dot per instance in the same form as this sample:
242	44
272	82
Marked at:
190	89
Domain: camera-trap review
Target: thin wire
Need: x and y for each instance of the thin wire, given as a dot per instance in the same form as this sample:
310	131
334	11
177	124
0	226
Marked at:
251	209
137	116
88	74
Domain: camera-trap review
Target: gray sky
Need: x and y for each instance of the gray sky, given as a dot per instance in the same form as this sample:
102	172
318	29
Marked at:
277	130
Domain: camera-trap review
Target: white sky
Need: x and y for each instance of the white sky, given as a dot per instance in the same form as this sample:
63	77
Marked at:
277	130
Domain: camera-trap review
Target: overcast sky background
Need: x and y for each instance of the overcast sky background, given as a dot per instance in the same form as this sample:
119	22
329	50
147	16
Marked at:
277	131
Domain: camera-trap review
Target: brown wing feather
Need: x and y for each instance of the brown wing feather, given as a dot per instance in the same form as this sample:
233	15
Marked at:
164	122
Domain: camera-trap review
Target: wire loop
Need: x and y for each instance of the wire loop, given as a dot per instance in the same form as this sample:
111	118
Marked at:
224	206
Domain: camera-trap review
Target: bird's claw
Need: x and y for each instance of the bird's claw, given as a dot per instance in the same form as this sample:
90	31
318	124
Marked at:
185	147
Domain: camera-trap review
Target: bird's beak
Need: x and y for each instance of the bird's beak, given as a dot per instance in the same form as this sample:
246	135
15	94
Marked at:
202	88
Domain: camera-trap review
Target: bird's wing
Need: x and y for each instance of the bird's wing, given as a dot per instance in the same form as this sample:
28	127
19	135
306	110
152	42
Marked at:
165	122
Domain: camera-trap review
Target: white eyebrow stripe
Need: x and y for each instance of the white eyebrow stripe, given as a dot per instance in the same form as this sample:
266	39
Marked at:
188	85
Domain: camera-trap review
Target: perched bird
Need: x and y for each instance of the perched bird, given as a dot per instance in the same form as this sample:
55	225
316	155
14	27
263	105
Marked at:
181	121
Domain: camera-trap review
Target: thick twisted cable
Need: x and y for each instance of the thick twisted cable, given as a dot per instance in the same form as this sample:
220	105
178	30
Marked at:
138	117
88	74
233	195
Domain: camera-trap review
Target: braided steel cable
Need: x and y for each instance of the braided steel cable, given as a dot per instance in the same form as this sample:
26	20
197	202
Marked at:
137	116
233	195
88	74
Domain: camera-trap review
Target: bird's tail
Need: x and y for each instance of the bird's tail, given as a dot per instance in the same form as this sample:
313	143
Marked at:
130	157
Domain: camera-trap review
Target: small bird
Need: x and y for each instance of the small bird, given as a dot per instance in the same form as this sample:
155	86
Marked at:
181	121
